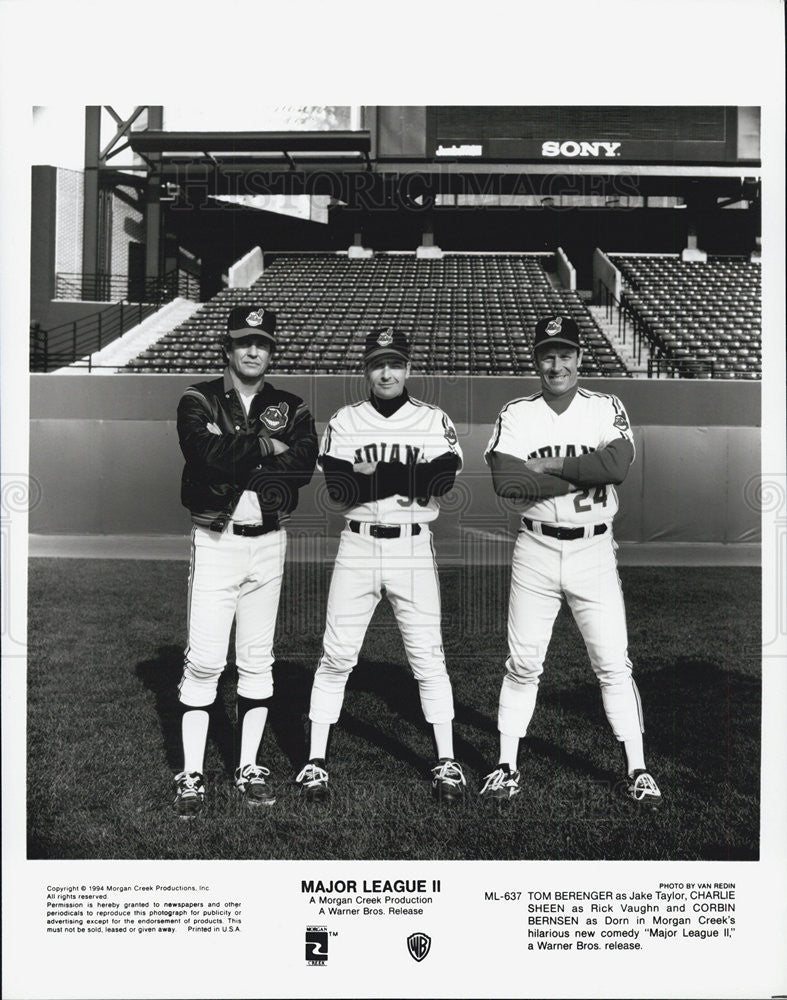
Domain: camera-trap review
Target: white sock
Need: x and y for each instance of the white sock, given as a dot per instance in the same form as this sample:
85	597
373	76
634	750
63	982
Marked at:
509	748
194	730
444	738
635	755
251	734
318	741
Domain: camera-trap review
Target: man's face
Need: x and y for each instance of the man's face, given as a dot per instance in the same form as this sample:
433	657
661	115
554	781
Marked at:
558	367
387	376
249	357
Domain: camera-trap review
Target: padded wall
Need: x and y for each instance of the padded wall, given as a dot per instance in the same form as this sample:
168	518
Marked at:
105	453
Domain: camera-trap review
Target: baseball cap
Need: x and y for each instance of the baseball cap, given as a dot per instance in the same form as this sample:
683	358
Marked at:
386	342
556	330
245	320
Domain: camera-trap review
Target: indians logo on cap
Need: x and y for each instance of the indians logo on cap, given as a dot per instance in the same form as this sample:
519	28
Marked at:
386	337
275	417
254	318
554	326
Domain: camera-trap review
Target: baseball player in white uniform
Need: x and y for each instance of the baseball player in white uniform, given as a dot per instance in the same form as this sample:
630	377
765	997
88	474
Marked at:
560	453
249	447
386	460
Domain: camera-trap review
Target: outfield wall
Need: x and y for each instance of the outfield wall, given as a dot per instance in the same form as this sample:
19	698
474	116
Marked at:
105	456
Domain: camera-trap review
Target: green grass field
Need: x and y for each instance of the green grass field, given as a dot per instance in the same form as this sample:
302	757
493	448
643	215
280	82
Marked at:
105	655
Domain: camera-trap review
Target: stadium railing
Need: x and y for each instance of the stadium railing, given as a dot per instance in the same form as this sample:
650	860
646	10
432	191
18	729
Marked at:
100	287
71	342
626	318
688	350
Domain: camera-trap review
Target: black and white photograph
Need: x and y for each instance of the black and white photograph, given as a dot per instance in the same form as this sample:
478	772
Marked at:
397	532
536	368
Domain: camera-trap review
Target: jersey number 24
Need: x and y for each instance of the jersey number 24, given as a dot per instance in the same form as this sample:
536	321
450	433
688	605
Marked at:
583	503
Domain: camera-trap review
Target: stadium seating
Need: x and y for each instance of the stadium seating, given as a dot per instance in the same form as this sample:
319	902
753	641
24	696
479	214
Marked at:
465	314
702	319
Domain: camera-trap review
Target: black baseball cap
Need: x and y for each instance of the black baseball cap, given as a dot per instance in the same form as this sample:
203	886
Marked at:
246	320
556	330
386	342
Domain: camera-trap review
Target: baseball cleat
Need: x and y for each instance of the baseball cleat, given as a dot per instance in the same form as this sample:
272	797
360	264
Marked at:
250	782
643	790
189	794
502	784
448	781
313	780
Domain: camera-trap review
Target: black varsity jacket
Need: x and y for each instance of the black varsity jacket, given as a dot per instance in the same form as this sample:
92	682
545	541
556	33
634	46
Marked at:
219	467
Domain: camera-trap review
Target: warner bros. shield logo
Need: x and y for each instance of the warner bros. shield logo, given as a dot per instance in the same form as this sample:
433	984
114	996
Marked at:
418	945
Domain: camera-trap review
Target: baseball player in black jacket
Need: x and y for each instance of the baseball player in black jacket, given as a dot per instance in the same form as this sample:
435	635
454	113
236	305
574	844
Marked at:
249	448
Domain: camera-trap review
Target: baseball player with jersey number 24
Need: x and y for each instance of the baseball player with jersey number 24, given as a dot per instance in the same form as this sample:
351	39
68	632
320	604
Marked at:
560	453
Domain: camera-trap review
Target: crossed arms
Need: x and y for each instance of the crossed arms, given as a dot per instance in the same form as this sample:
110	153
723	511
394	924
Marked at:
246	457
351	484
543	478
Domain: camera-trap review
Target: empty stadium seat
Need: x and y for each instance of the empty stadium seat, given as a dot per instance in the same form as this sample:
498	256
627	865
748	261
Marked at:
704	311
465	313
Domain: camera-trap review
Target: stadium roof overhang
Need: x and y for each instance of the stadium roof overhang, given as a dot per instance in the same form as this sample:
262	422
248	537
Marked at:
214	146
340	165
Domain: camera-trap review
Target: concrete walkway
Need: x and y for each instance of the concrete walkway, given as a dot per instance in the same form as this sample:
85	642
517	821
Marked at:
138	338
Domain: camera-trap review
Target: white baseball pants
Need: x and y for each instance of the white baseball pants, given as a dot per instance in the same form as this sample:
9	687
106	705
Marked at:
232	576
585	570
405	569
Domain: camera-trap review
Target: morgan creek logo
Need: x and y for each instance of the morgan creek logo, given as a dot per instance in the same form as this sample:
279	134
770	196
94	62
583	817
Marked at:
418	945
316	945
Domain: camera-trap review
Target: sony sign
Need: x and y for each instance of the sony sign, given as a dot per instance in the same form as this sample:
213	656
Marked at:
571	148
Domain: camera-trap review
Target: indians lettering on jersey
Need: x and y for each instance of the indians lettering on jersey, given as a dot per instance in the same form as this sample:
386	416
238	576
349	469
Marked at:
387	452
560	451
417	432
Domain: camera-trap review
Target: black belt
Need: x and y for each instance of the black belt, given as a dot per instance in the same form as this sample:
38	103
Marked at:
383	530
253	530
563	534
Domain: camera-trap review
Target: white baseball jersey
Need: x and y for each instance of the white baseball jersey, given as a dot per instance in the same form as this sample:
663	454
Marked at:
417	432
529	428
